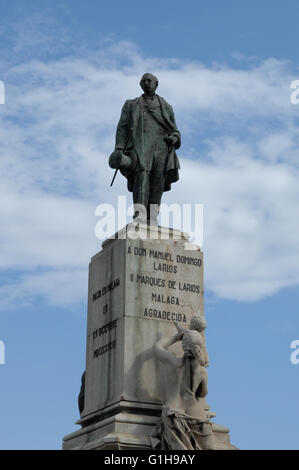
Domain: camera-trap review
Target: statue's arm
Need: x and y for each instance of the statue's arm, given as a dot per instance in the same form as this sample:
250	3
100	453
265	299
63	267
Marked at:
176	133
123	127
161	353
207	358
179	328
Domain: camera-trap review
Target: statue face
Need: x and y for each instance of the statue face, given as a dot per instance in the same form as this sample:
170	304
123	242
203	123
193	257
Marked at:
148	84
198	323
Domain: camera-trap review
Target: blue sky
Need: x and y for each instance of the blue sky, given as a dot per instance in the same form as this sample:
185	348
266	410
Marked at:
226	67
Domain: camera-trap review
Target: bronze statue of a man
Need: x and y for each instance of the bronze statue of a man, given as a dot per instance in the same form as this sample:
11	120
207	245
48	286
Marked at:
146	140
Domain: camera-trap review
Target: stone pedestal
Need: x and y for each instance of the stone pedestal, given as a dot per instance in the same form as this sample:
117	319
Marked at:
139	284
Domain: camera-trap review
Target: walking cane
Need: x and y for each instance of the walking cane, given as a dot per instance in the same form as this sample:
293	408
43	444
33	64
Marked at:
124	151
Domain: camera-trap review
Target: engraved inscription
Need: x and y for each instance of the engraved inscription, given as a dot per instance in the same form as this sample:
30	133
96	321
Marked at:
104	329
163	315
104	349
103	291
166	279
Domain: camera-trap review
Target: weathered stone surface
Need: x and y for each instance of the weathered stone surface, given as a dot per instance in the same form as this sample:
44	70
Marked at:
123	426
137	289
119	426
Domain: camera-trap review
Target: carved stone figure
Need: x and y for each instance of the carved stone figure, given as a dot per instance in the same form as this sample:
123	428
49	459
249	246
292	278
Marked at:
198	323
146	140
184	424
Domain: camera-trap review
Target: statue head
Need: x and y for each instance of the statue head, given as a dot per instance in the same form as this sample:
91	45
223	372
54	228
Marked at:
149	83
191	344
198	322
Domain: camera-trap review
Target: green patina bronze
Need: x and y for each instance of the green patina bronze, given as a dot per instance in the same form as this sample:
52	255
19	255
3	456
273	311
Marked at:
145	150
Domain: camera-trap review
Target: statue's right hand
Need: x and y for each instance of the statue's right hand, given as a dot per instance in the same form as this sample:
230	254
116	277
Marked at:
171	139
180	329
115	159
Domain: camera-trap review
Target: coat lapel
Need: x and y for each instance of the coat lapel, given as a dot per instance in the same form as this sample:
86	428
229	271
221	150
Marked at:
137	124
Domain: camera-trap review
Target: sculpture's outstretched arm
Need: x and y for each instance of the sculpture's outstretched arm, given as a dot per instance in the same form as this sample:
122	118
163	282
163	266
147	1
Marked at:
160	350
181	330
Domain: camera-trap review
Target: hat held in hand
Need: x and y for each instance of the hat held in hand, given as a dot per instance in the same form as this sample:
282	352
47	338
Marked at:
125	162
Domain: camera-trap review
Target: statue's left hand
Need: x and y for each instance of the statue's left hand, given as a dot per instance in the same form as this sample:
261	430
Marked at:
171	139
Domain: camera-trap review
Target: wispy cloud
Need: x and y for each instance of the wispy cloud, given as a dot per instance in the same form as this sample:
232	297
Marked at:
240	139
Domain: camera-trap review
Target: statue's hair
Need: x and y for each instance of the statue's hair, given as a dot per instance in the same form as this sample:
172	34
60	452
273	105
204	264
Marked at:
198	322
151	76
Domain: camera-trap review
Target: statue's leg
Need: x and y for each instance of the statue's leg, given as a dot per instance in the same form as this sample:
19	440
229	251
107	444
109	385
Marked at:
141	194
156	188
204	382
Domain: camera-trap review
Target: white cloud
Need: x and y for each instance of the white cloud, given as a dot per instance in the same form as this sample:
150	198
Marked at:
57	130
251	224
59	287
44	231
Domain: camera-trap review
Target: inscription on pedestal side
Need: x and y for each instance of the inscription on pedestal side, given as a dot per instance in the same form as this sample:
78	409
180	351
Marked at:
103	330
164	282
104	290
104	349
